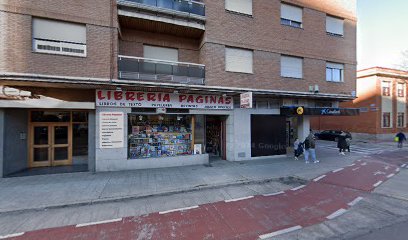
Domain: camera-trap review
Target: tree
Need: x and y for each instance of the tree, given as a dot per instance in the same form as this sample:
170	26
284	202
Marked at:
404	61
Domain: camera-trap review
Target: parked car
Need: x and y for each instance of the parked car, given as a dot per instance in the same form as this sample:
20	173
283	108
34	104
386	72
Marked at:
331	135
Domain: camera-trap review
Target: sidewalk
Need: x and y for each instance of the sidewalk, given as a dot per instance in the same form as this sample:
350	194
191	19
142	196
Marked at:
53	191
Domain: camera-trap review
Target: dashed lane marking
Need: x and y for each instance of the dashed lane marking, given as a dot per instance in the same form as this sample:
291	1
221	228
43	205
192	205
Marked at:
297	188
355	201
100	222
238	199
352	165
178	209
337	213
12	235
391	175
273	194
318	178
283	231
397	170
363	164
403	165
337	170
378	183
354	169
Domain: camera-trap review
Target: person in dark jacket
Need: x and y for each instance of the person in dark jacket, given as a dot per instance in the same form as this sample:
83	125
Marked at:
342	143
401	138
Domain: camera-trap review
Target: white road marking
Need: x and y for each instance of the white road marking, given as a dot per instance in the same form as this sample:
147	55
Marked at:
352	165
337	170
354	169
318	178
379	173
297	188
178	209
387	167
337	213
100	222
363	164
378	183
359	160
355	201
391	175
12	235
273	194
397	170
238	199
403	165
283	231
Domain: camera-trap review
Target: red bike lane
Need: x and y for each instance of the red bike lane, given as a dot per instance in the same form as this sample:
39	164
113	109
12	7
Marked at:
253	217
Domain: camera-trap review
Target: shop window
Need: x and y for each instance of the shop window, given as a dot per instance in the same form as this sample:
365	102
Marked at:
386	120
401	120
386	88
154	136
400	89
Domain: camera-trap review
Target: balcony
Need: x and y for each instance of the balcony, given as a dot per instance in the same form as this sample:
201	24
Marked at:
181	6
178	17
153	70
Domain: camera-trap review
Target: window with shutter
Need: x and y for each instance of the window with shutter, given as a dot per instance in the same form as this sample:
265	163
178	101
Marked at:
334	26
238	60
240	6
160	53
58	37
291	15
291	67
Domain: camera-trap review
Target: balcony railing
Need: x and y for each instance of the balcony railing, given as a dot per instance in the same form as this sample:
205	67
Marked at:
145	69
187	6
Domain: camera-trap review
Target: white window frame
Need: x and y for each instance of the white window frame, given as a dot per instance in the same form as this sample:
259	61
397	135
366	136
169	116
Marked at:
232	60
239	6
298	74
288	15
331	66
386	84
400	87
333	20
58	45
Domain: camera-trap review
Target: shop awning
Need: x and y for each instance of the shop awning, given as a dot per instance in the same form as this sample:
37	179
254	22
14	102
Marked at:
318	111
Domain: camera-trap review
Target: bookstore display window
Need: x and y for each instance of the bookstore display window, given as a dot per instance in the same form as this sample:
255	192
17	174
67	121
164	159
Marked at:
155	136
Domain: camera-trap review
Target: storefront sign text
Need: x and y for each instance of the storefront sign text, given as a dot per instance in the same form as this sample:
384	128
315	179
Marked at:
111	130
246	100
134	99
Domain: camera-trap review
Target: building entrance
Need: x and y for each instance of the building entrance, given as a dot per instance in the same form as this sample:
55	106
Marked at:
58	138
215	135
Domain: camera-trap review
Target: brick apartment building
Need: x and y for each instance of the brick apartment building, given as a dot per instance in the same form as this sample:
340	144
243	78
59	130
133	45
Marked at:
382	100
107	85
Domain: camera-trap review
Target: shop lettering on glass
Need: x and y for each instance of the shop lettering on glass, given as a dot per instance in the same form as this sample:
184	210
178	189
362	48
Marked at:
110	98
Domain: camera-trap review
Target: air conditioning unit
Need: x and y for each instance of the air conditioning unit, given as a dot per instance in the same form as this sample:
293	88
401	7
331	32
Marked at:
62	48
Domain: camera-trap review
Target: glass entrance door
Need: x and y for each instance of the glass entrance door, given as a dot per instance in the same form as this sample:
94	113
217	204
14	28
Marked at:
50	144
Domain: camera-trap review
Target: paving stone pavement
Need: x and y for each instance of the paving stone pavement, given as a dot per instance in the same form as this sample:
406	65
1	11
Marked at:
46	191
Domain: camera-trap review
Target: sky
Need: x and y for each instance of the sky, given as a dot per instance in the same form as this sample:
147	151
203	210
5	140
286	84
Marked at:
382	32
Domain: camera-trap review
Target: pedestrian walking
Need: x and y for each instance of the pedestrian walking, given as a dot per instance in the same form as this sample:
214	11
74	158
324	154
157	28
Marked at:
342	143
400	137
310	148
298	148
348	141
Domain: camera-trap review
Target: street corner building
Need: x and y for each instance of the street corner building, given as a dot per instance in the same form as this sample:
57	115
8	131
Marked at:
107	85
382	103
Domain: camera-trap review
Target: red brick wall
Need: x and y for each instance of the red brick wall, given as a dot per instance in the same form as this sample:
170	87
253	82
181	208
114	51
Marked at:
16	38
264	34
